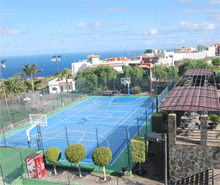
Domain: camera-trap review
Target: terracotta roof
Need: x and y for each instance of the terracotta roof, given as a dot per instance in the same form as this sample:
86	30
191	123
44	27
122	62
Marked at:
196	91
111	64
195	72
93	56
190	98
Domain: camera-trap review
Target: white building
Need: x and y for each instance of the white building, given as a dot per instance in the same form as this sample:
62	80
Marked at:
169	58
56	87
93	61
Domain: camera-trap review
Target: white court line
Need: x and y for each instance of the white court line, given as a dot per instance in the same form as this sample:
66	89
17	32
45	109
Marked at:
49	138
67	118
110	101
117	105
75	122
49	118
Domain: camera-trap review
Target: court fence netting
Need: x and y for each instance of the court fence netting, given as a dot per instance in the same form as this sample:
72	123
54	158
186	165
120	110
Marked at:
16	109
120	151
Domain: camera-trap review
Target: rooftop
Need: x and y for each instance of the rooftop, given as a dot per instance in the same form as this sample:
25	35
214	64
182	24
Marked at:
195	91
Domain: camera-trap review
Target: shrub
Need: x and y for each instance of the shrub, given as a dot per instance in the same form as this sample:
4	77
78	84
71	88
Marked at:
101	157
214	118
53	155
138	150
105	88
165	114
136	90
157	122
75	153
216	61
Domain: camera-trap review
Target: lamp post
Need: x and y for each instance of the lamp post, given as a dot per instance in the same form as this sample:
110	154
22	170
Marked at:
171	56
57	59
3	66
154	61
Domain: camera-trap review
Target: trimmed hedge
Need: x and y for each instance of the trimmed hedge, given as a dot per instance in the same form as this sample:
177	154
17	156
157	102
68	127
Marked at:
165	114
139	147
53	155
157	122
102	156
75	153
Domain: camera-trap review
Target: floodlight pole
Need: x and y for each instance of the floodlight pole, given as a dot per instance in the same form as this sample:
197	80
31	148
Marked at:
171	56
154	61
3	66
57	59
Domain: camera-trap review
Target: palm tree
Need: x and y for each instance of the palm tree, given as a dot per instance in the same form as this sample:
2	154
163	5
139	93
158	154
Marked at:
29	71
65	73
14	86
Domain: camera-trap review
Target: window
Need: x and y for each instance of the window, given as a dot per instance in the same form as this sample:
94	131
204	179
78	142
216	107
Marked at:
54	88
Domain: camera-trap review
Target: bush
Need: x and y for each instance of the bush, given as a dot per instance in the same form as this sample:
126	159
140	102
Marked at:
216	61
105	88
214	118
53	154
101	157
157	122
165	114
75	153
136	91
138	149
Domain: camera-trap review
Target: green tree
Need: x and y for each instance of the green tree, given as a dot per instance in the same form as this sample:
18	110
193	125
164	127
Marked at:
65	73
75	153
216	61
29	71
28	84
163	72
148	51
193	64
14	86
53	155
102	157
94	75
136	73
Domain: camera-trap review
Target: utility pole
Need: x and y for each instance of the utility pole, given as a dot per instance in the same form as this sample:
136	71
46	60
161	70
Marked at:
57	59
6	103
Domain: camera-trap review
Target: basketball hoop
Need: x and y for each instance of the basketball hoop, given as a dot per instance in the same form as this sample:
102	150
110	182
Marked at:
125	83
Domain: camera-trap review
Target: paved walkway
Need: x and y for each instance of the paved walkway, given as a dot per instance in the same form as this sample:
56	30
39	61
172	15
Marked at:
93	178
154	166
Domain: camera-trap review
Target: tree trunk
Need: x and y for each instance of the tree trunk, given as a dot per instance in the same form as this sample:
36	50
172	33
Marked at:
140	168
54	168
103	168
32	83
78	166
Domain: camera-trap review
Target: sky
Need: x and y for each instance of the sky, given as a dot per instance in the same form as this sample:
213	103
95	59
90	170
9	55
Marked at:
54	26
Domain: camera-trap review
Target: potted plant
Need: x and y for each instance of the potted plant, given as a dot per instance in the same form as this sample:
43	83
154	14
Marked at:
215	120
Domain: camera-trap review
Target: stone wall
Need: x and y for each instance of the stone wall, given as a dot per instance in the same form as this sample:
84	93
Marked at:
188	160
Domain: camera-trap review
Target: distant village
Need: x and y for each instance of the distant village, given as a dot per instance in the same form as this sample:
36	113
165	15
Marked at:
146	61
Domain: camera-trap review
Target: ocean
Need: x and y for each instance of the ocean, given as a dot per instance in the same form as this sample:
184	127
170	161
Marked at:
14	64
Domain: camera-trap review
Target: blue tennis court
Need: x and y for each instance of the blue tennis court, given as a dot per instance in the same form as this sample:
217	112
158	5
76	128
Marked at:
98	121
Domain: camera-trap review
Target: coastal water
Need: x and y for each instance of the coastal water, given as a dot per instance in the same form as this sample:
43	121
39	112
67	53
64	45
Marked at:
14	64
